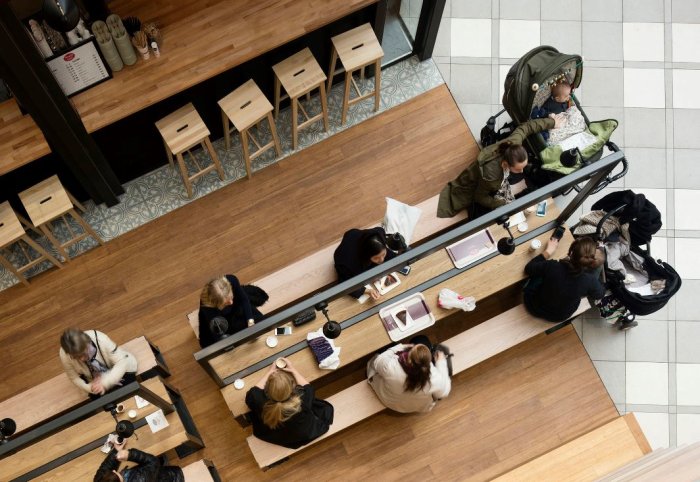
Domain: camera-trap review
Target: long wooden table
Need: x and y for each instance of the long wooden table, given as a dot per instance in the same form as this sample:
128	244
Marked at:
200	41
370	335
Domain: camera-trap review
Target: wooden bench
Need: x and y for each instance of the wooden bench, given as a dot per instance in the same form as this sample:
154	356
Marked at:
589	456
470	347
201	471
248	360
316	271
56	396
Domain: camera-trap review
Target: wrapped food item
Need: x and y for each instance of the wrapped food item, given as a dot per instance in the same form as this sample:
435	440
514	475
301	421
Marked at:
326	353
448	299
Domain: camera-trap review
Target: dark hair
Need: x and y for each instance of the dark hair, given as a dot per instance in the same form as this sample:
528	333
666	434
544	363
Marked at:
418	369
513	154
583	255
371	245
107	477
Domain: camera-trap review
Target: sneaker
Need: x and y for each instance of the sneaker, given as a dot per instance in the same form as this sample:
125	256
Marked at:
626	325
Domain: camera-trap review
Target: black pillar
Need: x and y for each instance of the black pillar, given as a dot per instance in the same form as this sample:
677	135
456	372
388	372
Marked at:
428	25
26	73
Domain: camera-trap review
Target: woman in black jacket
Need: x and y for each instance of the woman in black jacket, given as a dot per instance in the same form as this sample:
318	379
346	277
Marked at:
285	410
360	250
226	308
555	288
148	468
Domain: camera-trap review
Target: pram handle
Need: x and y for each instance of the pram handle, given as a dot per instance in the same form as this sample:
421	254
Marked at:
609	179
599	227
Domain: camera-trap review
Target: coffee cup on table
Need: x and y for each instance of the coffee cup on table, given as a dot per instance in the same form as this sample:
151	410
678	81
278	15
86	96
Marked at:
535	244
119	408
132	414
280	363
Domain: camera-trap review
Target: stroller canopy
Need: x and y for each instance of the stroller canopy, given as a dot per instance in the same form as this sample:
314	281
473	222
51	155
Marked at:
528	82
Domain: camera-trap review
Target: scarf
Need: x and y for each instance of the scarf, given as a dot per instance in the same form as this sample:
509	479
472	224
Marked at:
505	193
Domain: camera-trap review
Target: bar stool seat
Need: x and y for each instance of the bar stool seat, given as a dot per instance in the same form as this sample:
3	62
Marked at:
300	74
357	49
246	107
181	131
48	201
11	232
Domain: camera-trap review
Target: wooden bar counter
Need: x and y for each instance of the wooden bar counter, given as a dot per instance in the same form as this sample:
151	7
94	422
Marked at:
369	335
200	41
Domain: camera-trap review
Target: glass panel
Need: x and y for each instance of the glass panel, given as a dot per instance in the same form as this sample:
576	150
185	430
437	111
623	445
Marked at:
400	29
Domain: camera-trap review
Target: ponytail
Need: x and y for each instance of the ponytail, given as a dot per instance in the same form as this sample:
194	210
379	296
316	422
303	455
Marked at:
416	363
513	154
583	255
282	401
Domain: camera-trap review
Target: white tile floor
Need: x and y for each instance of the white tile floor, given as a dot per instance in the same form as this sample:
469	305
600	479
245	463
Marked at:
642	67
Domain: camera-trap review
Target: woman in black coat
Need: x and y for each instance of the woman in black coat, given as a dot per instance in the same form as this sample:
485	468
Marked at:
148	468
555	288
360	250
285	410
226	308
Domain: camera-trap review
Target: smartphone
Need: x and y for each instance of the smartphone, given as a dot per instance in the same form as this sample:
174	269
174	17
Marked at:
558	233
405	270
283	330
542	208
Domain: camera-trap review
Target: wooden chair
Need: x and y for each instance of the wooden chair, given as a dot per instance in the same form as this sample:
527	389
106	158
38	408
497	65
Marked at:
181	131
300	74
11	232
48	201
246	107
357	49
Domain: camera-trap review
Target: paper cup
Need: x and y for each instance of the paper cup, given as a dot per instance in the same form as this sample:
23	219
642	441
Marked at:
132	413
280	363
271	341
238	384
119	408
535	244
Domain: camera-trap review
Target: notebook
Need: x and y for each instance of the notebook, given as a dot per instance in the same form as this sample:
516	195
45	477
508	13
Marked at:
471	249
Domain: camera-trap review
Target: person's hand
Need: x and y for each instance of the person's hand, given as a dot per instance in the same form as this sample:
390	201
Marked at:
272	369
96	387
552	245
119	446
290	365
439	355
123	455
251	322
374	294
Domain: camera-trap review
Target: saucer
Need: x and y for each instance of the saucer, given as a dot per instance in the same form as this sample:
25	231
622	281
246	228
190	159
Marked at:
271	341
522	227
238	384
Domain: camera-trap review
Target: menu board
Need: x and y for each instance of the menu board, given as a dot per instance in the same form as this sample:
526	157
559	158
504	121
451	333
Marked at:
79	68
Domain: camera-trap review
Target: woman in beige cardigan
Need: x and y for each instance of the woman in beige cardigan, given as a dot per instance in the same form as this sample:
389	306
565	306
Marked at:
94	363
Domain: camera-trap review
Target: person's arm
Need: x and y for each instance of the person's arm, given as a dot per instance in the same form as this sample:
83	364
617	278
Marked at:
483	194
530	127
382	362
72	374
440	382
119	360
240	298
205	336
261	383
538	265
596	290
109	464
141	458
298	377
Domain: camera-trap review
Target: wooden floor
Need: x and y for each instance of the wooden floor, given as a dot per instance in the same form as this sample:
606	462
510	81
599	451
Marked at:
147	280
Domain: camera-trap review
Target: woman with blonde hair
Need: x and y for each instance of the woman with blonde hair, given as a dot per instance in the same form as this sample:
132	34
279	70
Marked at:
285	410
555	288
408	377
226	307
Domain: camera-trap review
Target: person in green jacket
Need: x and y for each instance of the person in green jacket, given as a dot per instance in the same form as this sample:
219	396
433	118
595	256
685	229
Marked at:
496	176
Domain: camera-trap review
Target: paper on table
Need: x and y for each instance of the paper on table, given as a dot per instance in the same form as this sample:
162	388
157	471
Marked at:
157	421
140	402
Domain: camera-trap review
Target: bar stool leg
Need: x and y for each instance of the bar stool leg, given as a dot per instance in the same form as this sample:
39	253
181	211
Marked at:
11	268
185	175
37	247
28	225
227	130
377	84
169	154
273	130
331	70
324	105
294	122
47	232
346	97
214	157
88	229
278	87
75	202
246	151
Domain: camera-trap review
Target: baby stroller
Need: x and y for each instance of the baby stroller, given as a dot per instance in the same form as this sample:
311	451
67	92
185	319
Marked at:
636	283
528	86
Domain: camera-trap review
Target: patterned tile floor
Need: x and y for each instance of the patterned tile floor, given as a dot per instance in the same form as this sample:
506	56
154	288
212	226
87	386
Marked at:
161	191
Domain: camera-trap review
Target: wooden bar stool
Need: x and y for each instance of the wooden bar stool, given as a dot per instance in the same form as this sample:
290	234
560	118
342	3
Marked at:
11	232
47	201
357	49
181	131
246	107
300	74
